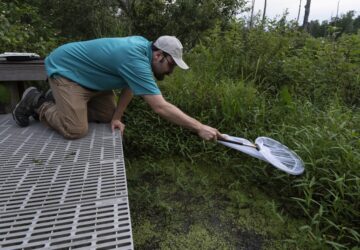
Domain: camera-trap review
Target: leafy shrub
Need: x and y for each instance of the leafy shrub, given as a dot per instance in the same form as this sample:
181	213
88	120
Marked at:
23	30
324	66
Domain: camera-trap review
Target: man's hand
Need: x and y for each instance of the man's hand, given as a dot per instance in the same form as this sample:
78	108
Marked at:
208	133
124	100
117	124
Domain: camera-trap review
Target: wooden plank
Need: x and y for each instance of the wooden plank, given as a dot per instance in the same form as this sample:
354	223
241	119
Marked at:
22	71
13	73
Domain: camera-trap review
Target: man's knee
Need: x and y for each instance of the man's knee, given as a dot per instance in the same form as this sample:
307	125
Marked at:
75	132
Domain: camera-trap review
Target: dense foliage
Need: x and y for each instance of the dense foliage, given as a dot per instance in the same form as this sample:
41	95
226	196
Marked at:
346	24
22	29
76	19
272	80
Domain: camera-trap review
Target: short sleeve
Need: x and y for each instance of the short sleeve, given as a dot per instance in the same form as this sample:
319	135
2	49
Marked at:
139	77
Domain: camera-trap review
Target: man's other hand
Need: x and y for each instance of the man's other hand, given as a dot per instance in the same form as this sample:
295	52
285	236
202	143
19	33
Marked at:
117	124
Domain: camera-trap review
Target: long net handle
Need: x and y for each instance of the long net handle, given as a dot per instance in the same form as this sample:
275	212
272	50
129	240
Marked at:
240	143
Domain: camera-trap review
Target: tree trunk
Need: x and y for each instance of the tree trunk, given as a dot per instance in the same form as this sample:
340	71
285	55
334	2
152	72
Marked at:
306	15
252	13
298	17
264	12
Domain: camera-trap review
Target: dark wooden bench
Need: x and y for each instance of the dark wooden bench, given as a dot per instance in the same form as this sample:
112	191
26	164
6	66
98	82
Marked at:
14	73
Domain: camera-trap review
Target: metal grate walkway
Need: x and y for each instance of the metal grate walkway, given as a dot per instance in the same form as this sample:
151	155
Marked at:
62	194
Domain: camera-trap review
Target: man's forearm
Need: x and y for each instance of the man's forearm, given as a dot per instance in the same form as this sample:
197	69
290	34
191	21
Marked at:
175	115
124	100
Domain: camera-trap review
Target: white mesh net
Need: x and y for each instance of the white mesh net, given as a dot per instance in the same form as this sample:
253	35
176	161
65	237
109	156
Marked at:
280	156
270	151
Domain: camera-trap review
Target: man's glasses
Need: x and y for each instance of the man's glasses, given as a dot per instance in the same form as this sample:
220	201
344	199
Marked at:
172	63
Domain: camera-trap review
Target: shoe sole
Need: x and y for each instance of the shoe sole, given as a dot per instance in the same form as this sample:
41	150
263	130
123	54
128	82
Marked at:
22	98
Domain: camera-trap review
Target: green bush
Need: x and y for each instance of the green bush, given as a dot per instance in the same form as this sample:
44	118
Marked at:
324	66
22	29
281	57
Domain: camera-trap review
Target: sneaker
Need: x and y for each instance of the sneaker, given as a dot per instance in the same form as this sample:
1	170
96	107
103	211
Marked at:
26	106
48	97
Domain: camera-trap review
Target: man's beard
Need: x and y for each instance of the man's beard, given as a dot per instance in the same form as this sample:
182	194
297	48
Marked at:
159	77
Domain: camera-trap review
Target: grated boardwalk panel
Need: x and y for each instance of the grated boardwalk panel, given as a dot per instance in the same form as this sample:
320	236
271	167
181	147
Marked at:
62	194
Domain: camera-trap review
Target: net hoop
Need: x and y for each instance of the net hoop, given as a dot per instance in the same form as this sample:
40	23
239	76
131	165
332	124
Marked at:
280	156
269	150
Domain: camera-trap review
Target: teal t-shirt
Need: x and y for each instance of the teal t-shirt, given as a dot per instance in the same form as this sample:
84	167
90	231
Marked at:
106	64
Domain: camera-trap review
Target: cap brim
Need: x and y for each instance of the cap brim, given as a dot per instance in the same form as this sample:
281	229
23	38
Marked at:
181	63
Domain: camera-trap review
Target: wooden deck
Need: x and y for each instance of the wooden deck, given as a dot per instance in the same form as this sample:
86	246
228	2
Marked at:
62	194
22	70
14	73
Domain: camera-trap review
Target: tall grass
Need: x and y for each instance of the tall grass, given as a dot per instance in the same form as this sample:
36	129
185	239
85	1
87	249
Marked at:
299	90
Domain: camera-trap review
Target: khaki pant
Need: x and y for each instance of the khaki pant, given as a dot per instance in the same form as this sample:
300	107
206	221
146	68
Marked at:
74	107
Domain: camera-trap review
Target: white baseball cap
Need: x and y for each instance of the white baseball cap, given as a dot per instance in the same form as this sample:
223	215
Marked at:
172	46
